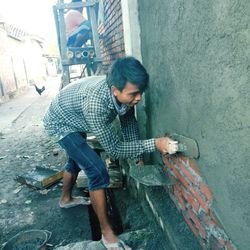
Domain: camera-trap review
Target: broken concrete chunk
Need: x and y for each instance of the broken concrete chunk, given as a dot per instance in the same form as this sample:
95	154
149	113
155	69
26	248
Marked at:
135	237
3	201
56	151
17	190
74	246
44	191
26	156
40	177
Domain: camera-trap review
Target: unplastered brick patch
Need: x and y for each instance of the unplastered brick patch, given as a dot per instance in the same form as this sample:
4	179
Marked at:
193	198
111	33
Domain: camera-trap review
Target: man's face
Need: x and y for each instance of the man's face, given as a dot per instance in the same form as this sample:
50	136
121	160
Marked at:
129	96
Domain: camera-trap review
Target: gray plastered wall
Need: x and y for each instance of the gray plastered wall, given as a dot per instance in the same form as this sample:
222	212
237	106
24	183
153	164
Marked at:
198	56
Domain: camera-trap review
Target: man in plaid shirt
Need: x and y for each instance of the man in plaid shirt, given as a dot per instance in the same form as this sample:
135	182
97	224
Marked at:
90	105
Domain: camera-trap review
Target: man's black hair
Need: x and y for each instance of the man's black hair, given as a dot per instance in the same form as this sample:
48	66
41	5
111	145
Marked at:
128	69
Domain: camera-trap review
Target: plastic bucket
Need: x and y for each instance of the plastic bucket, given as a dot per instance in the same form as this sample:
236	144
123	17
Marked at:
28	240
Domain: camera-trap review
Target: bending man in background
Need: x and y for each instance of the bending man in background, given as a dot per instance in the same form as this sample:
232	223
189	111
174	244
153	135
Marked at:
78	29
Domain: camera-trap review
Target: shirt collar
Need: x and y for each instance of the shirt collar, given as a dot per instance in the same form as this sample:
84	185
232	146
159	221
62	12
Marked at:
120	109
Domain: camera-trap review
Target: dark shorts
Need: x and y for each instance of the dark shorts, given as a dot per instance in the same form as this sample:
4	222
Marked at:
83	157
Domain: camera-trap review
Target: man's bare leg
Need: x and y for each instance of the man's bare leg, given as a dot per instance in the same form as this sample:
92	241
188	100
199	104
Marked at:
68	184
98	200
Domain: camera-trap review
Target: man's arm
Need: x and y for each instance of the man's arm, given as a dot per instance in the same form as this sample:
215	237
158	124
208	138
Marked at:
106	135
100	125
129	127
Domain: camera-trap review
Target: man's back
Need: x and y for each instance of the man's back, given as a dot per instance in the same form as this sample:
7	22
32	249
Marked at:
73	20
67	111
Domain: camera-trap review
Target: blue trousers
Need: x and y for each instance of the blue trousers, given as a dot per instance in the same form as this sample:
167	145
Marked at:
83	157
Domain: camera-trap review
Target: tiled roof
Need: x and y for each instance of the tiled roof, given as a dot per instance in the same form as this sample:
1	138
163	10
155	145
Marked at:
15	32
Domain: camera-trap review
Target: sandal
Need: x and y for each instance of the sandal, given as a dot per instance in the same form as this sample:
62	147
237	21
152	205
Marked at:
120	245
76	202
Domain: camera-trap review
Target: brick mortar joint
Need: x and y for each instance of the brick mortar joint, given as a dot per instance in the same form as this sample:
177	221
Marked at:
196	186
214	230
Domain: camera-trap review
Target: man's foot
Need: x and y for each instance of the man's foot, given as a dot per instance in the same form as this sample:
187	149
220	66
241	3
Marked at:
75	201
118	245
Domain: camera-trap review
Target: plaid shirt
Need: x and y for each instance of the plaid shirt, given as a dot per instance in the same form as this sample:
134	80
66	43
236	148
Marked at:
87	106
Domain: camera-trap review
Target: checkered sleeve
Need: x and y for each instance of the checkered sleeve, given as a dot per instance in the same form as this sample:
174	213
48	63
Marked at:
101	127
130	128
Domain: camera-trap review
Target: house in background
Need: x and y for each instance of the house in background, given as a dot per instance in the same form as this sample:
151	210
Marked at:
22	61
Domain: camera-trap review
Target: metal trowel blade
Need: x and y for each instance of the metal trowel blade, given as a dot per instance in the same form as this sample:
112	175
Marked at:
186	146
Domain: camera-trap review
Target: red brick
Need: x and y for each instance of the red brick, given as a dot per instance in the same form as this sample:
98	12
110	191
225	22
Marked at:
214	218
177	174
207	220
178	187
206	191
191	225
199	198
176	202
190	199
112	35
177	193
185	171
197	222
191	163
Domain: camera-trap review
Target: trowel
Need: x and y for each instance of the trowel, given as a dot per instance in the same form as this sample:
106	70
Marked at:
153	175
186	146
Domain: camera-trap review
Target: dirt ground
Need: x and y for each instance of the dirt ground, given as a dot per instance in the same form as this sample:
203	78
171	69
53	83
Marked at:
23	146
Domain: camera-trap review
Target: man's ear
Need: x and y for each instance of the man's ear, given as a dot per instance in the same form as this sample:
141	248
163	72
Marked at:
114	90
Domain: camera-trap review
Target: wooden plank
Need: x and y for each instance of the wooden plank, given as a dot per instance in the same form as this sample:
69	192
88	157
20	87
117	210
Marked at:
95	34
40	177
76	5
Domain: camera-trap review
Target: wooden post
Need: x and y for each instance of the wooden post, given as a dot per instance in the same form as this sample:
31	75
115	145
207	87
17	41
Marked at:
63	47
94	32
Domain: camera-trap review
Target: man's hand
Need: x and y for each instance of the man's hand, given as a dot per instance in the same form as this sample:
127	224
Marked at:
165	145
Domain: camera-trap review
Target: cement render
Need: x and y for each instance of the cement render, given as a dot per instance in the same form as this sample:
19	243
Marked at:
198	57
